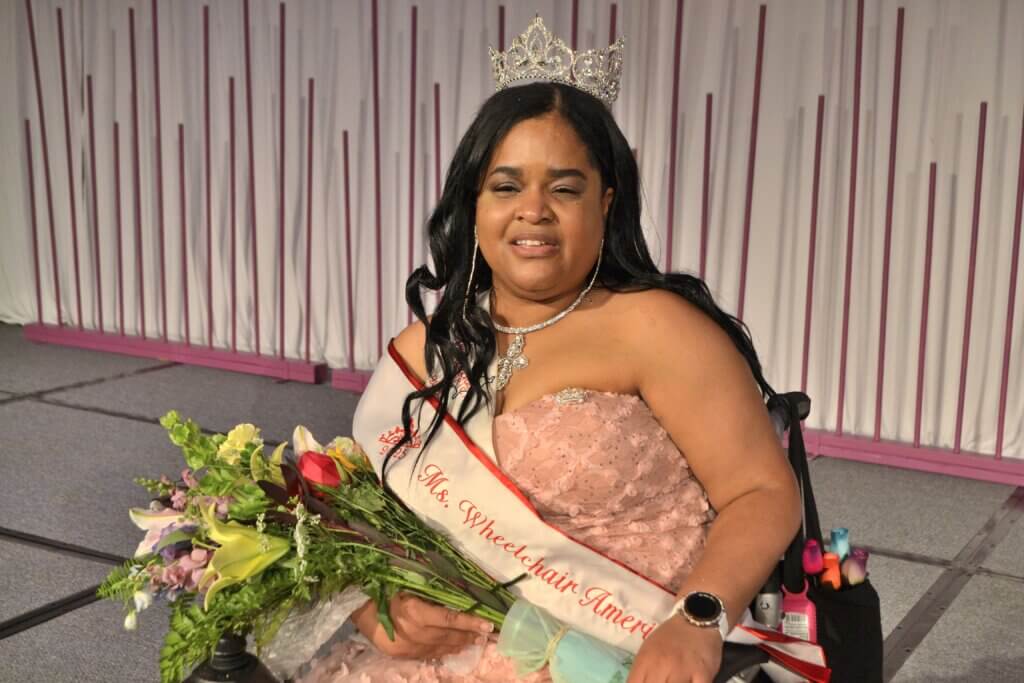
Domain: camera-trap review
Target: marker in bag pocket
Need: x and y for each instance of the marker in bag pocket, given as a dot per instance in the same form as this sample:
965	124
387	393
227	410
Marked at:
832	576
812	560
854	567
840	542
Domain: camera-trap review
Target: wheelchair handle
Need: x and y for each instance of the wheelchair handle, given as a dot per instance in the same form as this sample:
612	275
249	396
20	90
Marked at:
781	408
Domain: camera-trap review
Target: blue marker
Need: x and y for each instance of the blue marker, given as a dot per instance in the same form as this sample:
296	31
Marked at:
841	542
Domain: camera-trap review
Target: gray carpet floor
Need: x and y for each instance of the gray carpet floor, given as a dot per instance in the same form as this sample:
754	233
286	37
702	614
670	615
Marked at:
76	426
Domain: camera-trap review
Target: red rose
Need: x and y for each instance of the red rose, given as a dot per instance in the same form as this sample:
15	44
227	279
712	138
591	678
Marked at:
317	468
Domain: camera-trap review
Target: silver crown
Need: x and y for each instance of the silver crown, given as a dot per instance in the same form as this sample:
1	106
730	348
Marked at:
538	55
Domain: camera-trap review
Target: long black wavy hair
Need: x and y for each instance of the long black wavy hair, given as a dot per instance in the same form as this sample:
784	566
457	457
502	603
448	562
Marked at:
454	343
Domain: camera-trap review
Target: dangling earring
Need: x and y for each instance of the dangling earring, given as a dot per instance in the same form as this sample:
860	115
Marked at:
472	273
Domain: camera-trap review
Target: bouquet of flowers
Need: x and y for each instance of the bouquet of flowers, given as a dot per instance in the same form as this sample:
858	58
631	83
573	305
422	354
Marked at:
250	543
244	539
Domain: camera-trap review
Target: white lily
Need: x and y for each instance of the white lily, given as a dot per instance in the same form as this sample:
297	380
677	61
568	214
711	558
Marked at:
131	621
303	441
153	523
142	599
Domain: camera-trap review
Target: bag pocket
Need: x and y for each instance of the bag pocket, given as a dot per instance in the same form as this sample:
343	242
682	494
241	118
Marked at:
850	631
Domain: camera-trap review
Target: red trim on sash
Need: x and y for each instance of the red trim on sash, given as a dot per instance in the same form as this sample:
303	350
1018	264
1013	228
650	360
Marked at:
467	442
771	636
813	672
501	476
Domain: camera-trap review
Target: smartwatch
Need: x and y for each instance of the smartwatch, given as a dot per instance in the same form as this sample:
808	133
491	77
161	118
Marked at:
704	610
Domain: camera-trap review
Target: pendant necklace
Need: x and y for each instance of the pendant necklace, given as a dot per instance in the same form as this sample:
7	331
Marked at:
513	359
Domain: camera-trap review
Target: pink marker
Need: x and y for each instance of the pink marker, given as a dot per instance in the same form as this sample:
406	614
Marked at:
812	558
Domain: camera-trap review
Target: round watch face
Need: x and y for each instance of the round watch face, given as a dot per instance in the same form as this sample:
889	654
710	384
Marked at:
703	606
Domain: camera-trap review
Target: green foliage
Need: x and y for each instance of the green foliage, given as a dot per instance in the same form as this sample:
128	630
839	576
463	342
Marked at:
251	607
122	582
381	593
218	480
189	640
268	625
172	538
381	547
156	487
199	449
249	501
366	496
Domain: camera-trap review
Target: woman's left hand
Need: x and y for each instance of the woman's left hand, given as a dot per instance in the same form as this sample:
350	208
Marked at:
678	652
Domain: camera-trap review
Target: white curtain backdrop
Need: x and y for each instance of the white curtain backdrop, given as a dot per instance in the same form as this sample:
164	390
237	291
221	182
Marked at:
956	54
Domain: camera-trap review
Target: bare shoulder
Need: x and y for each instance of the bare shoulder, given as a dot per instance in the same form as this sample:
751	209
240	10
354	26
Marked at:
656	319
669	339
410	344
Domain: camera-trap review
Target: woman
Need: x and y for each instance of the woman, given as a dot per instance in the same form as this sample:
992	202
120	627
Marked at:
633	423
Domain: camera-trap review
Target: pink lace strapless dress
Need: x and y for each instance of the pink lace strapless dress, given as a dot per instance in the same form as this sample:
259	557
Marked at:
600	467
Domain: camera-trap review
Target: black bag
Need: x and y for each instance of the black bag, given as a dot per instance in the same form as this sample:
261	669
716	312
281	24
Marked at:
849	621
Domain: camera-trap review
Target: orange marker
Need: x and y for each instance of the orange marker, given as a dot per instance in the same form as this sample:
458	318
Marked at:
832	575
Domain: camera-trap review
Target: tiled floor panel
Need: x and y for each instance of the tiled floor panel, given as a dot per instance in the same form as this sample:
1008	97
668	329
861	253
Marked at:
27	367
978	640
67	474
218	400
916	512
31	577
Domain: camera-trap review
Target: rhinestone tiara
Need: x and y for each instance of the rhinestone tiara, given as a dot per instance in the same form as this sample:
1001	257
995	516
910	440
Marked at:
538	55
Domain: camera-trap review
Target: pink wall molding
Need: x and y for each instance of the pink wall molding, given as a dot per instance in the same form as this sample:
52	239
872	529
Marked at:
924	459
179	352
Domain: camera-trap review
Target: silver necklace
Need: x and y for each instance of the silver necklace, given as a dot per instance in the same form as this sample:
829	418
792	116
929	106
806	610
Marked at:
514	359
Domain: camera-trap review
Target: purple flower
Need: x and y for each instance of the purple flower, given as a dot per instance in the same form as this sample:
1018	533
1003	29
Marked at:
189	478
184	571
195	565
221	503
174	576
169	552
178	499
154	579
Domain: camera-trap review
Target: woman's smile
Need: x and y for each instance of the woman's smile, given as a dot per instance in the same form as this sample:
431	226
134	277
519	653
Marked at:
532	245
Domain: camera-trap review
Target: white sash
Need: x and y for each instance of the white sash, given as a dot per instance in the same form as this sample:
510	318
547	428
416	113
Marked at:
455	485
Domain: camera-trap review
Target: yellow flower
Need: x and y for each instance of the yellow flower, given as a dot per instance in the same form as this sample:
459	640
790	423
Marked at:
238	438
358	456
265	470
349	454
338	453
243	553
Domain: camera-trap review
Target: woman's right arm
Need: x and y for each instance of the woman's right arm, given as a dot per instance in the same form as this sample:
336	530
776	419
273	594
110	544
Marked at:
422	630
